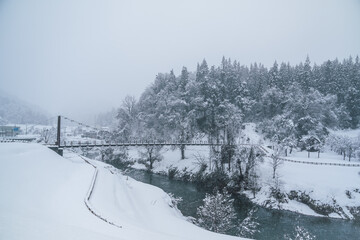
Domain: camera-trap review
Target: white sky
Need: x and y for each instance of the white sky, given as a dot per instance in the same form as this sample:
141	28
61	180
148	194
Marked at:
82	57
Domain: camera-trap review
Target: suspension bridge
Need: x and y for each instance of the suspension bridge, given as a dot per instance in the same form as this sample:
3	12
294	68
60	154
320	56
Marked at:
61	144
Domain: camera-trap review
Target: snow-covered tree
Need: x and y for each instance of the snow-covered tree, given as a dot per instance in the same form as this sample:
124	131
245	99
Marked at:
127	117
150	153
275	163
253	183
300	233
344	145
249	226
48	135
218	213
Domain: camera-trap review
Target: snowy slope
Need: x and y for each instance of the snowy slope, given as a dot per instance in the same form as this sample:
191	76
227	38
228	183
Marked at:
42	197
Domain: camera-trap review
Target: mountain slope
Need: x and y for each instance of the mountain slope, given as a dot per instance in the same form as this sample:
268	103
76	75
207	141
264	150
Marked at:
14	110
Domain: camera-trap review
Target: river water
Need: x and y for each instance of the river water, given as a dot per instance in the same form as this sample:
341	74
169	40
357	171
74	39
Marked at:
273	224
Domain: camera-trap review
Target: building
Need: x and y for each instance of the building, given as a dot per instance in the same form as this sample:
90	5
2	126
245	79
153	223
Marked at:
9	131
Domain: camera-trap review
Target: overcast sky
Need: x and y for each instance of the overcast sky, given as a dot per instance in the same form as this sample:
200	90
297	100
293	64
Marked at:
79	58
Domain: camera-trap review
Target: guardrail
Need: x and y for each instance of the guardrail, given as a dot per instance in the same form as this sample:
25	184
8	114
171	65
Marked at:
89	194
14	140
311	163
321	163
75	144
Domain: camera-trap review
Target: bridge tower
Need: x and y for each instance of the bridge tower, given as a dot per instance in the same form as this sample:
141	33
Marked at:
57	147
58	131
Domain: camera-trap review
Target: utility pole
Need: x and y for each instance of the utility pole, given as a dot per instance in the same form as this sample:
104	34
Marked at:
58	131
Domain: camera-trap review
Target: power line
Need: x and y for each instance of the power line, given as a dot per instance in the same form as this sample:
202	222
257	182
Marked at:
86	125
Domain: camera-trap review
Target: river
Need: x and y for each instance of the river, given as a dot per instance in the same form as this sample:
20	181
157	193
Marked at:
273	224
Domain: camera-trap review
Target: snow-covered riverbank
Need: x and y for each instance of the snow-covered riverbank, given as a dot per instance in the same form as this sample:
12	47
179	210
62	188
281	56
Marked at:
308	188
317	190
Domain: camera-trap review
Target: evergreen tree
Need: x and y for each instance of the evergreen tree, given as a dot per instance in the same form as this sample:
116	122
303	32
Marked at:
249	226
300	233
218	213
274	76
305	75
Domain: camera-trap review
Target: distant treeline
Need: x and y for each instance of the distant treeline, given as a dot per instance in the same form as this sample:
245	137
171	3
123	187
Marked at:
288	102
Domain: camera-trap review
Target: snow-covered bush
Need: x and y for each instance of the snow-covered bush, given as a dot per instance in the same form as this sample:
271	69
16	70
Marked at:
215	179
172	172
174	201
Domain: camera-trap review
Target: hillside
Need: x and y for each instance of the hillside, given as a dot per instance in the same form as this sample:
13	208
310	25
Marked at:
45	196
14	110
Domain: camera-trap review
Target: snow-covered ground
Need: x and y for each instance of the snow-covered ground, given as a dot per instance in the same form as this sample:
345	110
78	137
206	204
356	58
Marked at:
43	197
172	158
324	184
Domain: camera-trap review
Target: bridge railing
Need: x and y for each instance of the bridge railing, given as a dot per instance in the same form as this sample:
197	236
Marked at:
97	143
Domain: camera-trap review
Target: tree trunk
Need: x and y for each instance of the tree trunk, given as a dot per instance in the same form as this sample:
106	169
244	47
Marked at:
229	163
241	173
308	154
151	160
318	154
274	172
286	152
182	149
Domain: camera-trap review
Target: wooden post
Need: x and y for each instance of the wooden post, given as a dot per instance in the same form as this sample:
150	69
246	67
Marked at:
58	131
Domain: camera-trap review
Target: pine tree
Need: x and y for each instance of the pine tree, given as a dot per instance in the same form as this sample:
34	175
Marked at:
218	213
248	227
305	75
352	101
274	75
300	233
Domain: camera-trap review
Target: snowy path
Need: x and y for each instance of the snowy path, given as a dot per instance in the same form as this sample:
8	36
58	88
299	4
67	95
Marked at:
89	194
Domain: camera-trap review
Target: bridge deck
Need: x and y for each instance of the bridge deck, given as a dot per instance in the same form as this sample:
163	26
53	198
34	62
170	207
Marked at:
76	145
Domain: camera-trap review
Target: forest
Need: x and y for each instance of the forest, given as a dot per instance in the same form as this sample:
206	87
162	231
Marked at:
294	106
